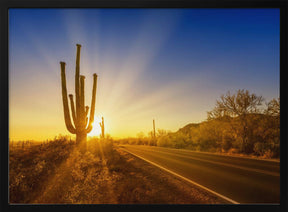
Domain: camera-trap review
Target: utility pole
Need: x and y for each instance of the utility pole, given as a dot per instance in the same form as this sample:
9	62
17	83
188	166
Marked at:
154	134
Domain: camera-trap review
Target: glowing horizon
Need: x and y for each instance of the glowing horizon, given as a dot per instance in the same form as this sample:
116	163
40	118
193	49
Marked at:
151	64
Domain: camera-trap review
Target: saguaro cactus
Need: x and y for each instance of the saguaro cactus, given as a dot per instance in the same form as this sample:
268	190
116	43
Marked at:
80	116
102	128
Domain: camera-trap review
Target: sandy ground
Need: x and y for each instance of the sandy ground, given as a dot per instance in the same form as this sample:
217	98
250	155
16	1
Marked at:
113	177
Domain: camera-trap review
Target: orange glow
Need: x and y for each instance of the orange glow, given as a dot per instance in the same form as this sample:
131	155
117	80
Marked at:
127	110
96	130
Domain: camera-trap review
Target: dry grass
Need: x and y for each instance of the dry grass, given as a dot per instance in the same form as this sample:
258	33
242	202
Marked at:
56	172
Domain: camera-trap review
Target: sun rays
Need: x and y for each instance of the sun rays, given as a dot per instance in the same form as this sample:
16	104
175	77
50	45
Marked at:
118	97
160	64
125	96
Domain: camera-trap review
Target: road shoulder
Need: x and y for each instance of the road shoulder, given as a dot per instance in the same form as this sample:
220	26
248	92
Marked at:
156	186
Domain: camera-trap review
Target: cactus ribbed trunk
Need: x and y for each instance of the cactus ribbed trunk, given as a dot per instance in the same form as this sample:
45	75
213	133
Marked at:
79	111
81	140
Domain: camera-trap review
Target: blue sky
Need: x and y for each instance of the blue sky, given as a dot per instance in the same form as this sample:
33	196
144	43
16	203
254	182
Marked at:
166	64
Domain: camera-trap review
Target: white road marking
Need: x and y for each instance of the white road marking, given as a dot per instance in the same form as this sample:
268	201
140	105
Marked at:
223	155
224	164
184	178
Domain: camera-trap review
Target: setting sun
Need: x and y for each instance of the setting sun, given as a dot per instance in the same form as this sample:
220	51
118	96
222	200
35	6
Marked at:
96	130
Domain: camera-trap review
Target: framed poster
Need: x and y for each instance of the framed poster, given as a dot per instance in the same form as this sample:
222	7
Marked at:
141	105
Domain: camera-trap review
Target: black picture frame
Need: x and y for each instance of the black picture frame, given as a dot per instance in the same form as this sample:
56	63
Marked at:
6	4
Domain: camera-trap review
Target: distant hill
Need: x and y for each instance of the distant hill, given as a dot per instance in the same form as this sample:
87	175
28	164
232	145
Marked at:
187	128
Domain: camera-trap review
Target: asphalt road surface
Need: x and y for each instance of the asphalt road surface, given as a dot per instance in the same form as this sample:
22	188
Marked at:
240	180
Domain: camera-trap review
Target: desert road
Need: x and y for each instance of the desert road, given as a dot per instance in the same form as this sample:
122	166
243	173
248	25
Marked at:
236	179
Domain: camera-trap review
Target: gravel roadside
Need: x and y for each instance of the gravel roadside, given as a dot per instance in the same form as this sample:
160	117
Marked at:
138	182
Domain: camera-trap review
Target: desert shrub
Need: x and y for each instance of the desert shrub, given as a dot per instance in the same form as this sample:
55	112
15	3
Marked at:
233	151
260	148
164	141
180	140
81	163
206	144
174	140
139	141
30	166
267	150
268	154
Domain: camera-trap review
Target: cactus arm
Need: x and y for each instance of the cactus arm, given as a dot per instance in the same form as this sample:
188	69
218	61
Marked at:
77	81
86	121
73	110
82	102
86	114
86	111
82	94
72	104
92	109
67	118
